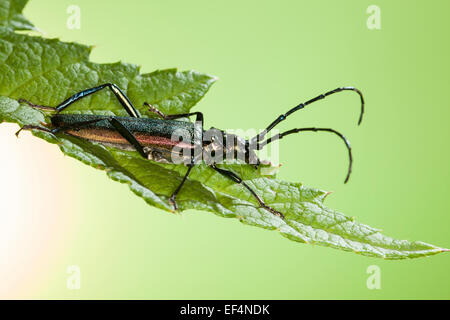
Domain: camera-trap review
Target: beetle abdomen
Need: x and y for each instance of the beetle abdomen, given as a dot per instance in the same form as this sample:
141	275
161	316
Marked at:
147	126
154	134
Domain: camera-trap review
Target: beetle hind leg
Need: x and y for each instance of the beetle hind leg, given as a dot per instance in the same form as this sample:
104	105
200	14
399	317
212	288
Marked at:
34	127
36	106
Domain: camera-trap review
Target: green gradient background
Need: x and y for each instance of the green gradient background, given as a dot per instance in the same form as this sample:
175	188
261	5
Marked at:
269	56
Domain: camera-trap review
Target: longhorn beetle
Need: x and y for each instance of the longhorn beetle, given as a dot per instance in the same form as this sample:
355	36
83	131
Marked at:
153	138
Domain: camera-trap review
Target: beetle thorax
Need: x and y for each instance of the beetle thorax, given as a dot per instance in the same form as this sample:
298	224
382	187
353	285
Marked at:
219	146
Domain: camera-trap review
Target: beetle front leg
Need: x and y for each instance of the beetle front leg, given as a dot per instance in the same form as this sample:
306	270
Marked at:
33	127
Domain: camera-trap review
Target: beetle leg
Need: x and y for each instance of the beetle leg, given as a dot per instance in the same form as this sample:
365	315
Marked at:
231	175
172	199
32	127
35	105
153	109
123	99
129	136
174	116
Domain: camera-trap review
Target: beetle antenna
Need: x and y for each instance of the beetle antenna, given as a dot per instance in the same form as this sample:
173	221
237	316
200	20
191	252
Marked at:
304	104
281	135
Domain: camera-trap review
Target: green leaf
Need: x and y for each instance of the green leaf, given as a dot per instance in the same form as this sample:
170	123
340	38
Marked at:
46	71
11	15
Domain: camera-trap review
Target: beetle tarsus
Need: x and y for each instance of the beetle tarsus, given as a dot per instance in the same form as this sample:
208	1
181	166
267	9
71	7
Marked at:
154	110
234	177
275	212
37	106
18	132
32	127
173	202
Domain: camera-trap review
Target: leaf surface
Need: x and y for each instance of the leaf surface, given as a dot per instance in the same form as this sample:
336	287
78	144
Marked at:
11	15
47	71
